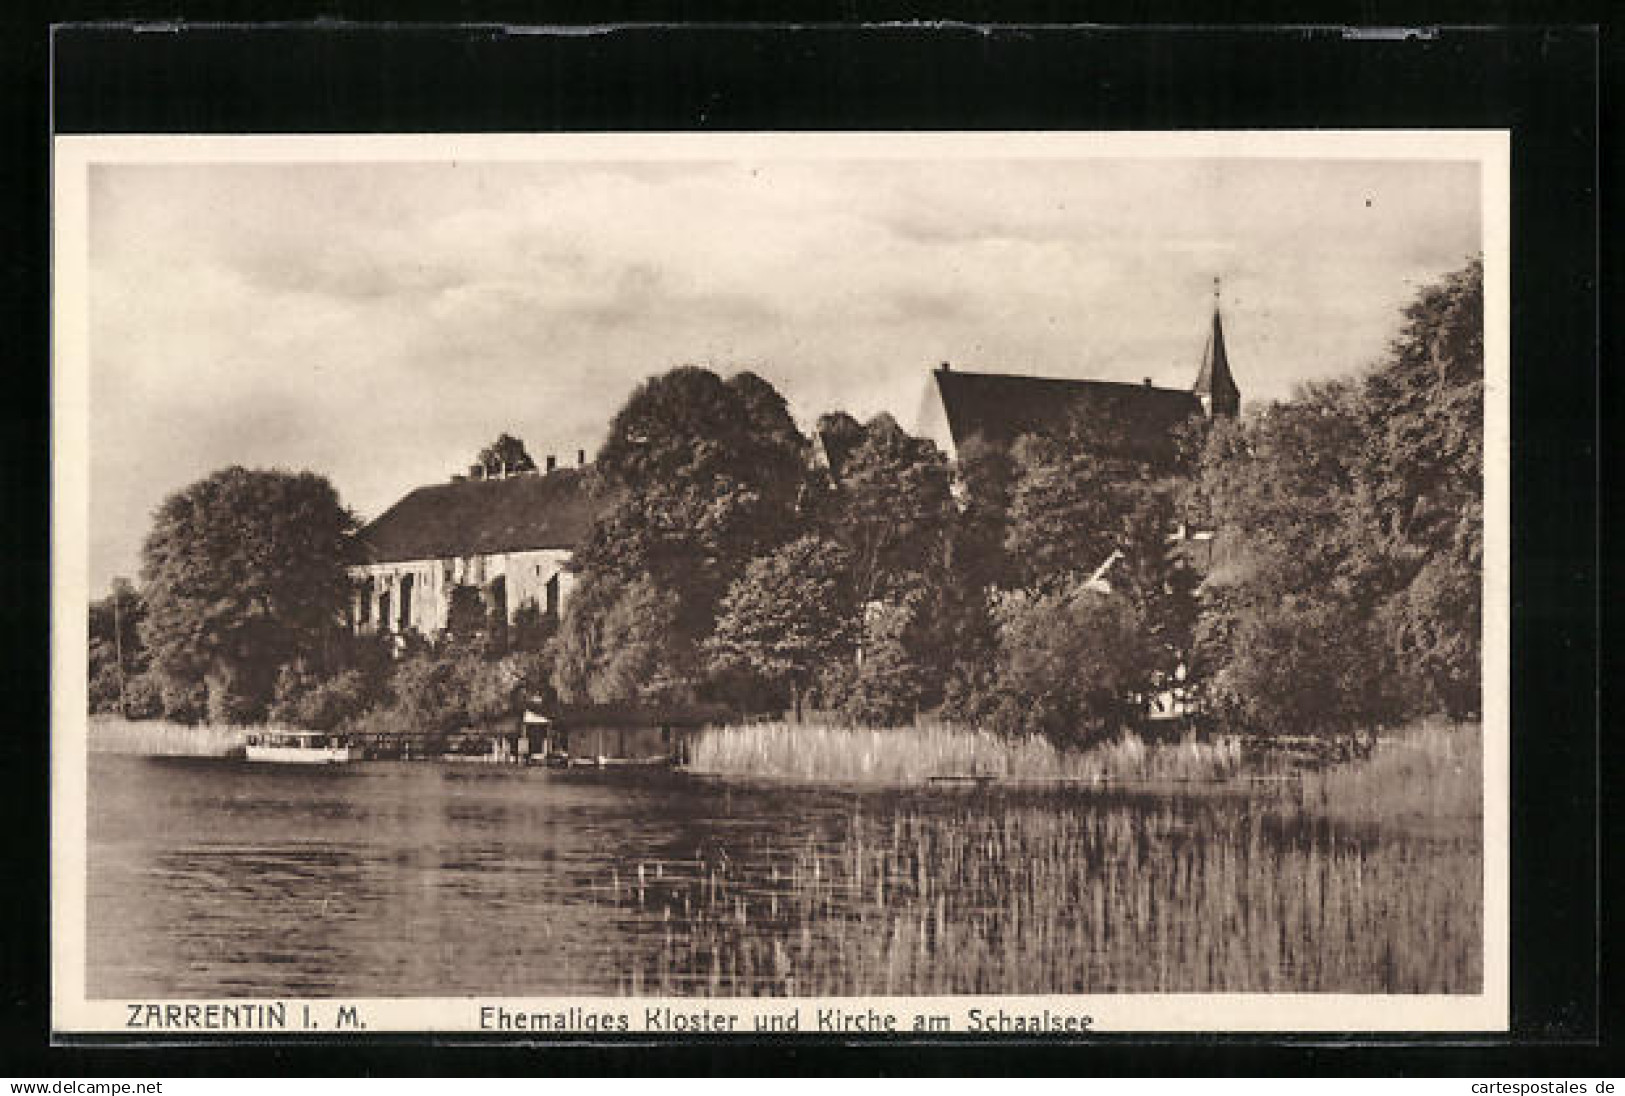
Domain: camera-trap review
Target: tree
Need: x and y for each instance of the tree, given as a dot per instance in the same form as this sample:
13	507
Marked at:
1304	667
1423	460
495	689
506	455
431	696
532	628
1347	593
645	656
1072	665
143	697
893	509
1075	517
708	473
618	642
322	704
1062	519
1281	482
579	645
1285	644
183	700
1434	624
839	433
1421	473
116	654
892	682
705	475
967	654
987	475
788	616
242	572
689	425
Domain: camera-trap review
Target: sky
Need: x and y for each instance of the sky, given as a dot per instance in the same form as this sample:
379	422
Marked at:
381	322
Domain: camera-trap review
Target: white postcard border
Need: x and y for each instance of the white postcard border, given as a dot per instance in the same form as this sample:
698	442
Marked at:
73	1013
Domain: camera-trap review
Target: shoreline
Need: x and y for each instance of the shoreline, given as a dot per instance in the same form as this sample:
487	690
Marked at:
1422	770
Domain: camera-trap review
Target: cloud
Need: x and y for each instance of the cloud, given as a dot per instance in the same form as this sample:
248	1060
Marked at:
381	322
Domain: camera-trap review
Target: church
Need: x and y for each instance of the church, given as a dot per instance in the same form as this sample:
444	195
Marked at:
1123	420
1138	424
510	534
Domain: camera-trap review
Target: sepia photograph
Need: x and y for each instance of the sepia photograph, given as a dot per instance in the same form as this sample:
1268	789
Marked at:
1005	583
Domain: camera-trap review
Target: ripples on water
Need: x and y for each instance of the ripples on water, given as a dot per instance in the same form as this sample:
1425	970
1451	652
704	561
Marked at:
212	878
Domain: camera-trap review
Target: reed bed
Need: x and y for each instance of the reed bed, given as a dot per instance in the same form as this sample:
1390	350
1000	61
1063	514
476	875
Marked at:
1431	771
1062	898
813	753
1363	877
159	738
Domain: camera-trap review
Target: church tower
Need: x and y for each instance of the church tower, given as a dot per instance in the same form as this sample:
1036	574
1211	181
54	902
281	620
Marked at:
1215	387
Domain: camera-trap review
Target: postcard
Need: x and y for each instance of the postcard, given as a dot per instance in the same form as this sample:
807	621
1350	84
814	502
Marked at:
857	584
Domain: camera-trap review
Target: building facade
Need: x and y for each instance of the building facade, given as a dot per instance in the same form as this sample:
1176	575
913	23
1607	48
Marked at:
507	537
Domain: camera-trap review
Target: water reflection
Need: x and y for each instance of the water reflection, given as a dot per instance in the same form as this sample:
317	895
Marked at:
377	879
400	879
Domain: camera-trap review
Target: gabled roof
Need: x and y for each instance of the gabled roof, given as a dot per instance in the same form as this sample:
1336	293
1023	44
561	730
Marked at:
482	517
1122	420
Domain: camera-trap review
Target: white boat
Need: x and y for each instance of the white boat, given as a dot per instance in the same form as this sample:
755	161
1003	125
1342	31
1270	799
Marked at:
300	748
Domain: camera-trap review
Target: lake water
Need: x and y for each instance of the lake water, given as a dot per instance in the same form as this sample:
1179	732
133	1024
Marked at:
216	878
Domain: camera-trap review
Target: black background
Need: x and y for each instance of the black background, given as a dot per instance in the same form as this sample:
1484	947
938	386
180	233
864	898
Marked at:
344	74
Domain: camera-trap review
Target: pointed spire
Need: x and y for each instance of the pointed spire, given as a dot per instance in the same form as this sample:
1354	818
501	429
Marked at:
1214	385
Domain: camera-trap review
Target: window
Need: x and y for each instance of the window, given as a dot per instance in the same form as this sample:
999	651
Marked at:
552	597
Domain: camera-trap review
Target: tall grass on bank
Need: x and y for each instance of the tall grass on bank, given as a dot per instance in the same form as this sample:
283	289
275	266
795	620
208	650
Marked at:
158	738
912	755
1431	770
1065	896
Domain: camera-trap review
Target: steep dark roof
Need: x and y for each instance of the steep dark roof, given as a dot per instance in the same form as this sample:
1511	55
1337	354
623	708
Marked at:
480	517
1214	379
1121	420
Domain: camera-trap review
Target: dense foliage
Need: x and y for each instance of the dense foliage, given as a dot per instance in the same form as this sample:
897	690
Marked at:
1046	590
1350	519
242	573
506	455
789	615
1073	665
621	641
706	475
117	656
892	509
